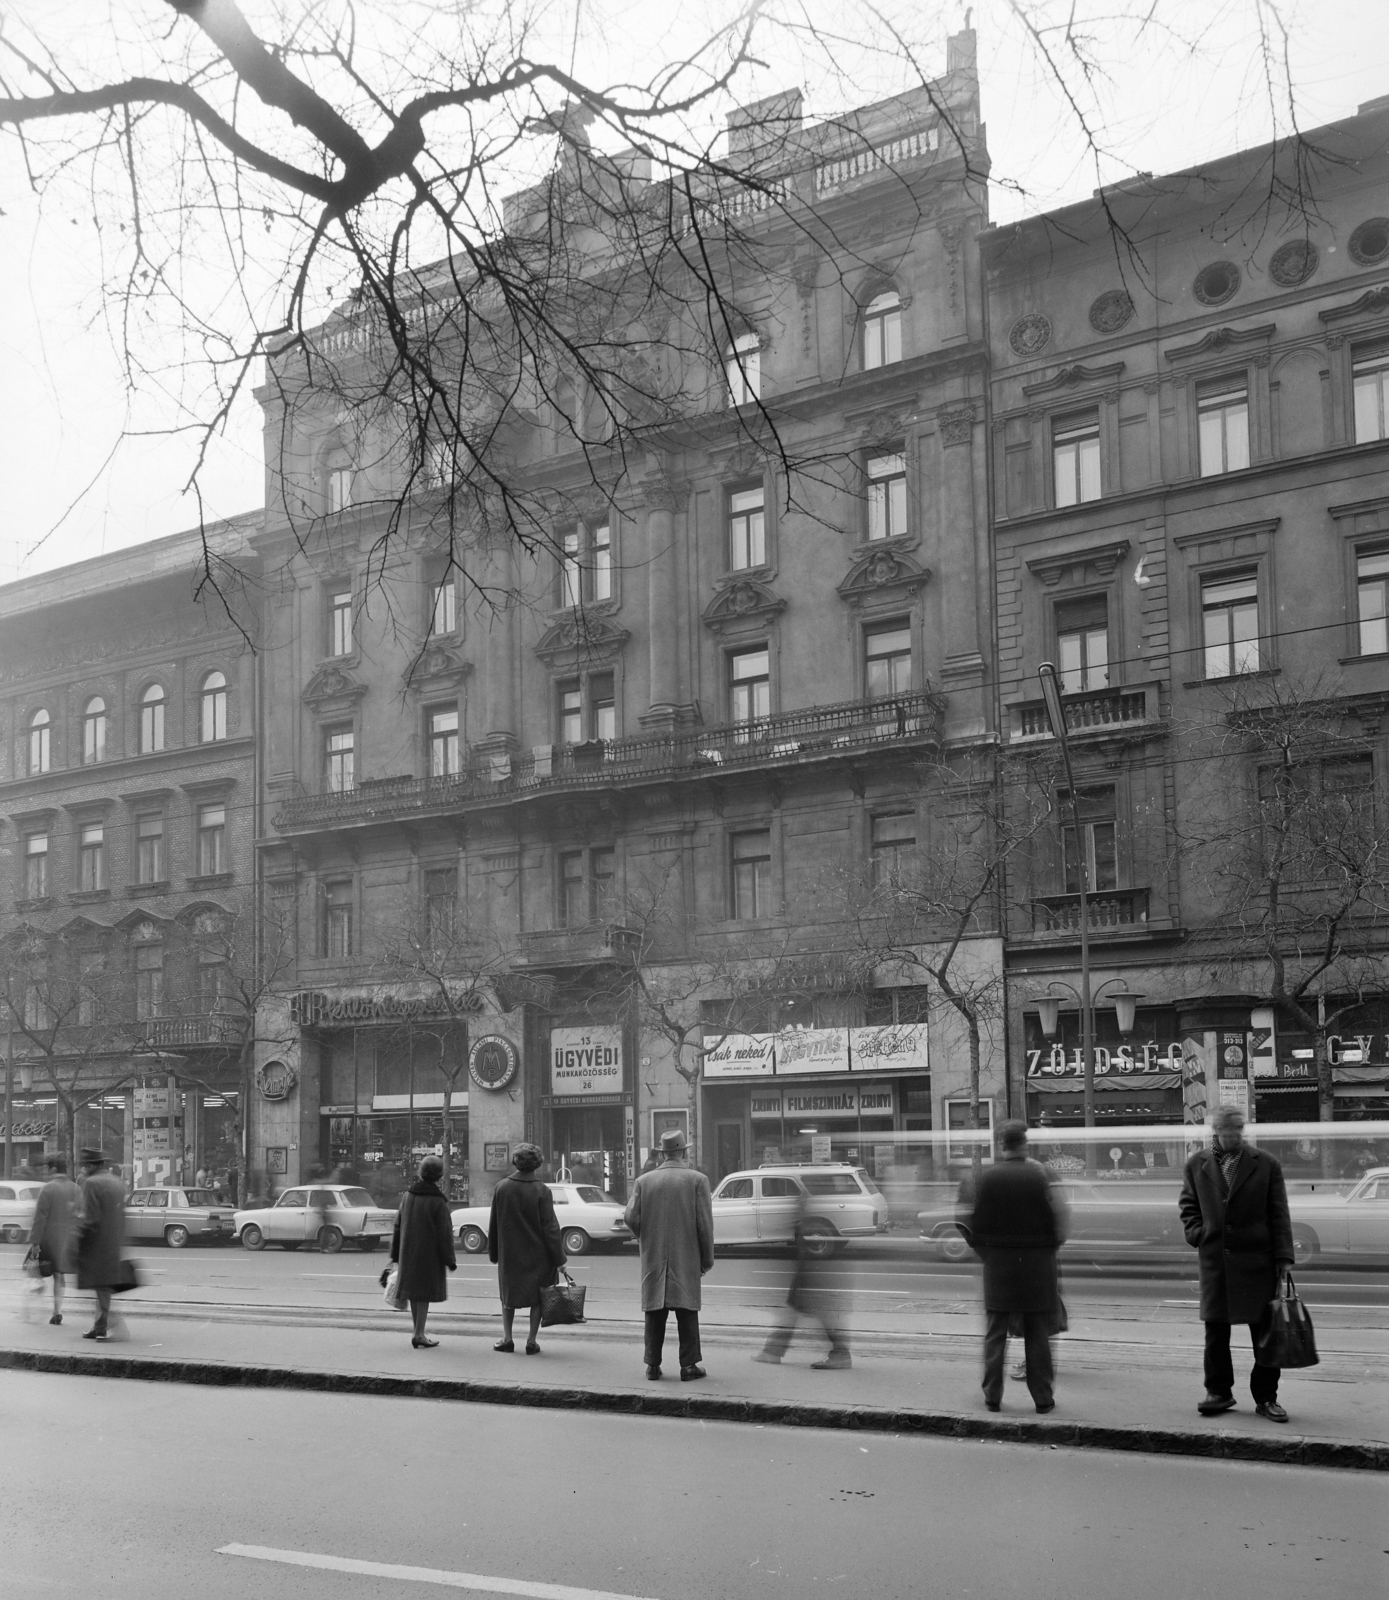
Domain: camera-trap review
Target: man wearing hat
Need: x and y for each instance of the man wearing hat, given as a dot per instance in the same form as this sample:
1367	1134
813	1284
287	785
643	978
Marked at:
672	1215
100	1237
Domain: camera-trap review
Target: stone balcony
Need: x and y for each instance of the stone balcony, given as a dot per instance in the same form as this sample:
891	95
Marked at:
1109	909
595	944
181	1033
1103	712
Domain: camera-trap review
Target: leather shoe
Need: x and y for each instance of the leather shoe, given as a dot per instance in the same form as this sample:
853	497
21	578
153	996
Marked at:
1049	1406
1272	1410
1214	1404
504	1347
653	1373
689	1374
834	1363
99	1334
994	1405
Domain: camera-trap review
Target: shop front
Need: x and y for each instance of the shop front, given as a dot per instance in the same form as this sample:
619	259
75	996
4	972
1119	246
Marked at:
587	1104
1138	1077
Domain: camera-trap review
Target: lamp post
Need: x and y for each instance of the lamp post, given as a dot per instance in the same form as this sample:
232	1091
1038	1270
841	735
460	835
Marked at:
9	1098
1125	1005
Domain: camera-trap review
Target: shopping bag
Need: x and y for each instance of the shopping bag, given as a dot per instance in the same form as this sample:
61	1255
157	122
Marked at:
1288	1340
129	1279
35	1265
390	1284
562	1302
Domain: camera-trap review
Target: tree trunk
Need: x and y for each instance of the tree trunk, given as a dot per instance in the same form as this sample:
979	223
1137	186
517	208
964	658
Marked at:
977	1154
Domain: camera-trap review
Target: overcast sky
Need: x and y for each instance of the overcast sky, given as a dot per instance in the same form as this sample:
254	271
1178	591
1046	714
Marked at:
89	466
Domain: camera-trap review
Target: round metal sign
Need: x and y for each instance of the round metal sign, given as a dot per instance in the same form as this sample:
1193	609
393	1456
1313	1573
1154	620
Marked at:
492	1061
277	1080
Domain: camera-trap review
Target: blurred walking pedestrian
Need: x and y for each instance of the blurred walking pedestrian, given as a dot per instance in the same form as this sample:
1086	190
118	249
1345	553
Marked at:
98	1240
1234	1210
672	1216
812	1294
52	1227
422	1246
523	1241
1016	1227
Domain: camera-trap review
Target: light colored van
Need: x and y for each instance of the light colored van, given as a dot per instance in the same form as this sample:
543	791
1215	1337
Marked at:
824	1203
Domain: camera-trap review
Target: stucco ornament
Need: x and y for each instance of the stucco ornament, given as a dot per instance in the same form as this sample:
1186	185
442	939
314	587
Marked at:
1111	311
1030	334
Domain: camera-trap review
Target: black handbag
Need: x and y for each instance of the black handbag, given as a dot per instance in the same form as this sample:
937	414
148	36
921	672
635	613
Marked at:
37	1264
129	1279
562	1302
1287	1339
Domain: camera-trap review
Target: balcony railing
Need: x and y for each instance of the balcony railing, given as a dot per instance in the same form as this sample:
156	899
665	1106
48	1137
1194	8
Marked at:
172	1033
1113	908
794	737
1089	712
580	947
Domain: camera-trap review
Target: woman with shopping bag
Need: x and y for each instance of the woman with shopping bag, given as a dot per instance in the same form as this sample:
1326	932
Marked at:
421	1249
523	1240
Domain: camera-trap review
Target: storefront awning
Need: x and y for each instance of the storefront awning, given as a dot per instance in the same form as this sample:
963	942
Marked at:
1107	1085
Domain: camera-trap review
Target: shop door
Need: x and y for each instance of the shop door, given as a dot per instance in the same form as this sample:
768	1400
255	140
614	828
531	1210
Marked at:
728	1142
588	1142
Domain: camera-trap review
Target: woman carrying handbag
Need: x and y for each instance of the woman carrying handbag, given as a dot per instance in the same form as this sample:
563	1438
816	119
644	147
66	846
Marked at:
422	1247
523	1240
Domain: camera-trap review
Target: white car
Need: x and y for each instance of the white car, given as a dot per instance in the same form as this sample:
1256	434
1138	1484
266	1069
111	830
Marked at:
327	1215
822	1204
1356	1223
18	1198
587	1216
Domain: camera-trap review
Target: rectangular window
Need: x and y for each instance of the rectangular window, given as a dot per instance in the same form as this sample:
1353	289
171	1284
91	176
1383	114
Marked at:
1082	643
882	332
1370	375
149	981
149	849
92	856
750	686
1230	625
892	844
751	860
339	488
571	889
212	840
1222	418
446	605
337	918
1075	458
36	1011
600	550
1372	601
571	712
602	706
743	369
445	753
587	880
212	976
888	661
440	904
340	623
602	879
887	495
1098	842
340	755
747	529
570	571
90	969
35	866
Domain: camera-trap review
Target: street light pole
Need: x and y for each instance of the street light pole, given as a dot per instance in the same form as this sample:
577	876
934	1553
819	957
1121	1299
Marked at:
1056	716
9	1097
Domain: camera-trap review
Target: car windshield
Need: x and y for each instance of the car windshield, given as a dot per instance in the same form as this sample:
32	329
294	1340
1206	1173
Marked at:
356	1197
830	1183
593	1197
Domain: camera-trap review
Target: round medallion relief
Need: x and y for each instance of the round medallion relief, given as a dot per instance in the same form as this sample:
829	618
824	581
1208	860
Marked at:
1111	311
1030	334
1293	263
1216	283
1370	241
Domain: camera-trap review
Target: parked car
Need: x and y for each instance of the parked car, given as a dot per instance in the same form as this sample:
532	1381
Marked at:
178	1216
18	1197
1117	1216
825	1203
1356	1223
587	1216
326	1215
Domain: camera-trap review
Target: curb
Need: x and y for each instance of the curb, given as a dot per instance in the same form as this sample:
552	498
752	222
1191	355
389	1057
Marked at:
1287	1450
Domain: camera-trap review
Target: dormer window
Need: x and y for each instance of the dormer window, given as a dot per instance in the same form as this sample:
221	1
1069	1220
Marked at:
743	368
882	331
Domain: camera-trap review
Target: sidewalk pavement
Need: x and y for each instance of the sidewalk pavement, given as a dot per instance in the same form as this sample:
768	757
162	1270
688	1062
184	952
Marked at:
1119	1385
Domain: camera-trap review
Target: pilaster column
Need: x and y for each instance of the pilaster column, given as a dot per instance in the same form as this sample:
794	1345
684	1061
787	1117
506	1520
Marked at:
662	499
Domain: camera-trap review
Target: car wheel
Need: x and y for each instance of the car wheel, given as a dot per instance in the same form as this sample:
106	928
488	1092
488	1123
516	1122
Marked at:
1305	1242
14	1235
953	1245
330	1240
252	1238
576	1242
816	1239
473	1240
370	1242
176	1236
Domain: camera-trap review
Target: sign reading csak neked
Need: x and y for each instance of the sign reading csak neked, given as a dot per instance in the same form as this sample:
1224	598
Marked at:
586	1061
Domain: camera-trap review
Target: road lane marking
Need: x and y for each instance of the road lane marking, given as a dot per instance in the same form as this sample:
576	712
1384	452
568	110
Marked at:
444	1580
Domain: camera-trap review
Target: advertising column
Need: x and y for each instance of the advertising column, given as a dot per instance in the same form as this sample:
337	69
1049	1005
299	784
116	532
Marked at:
158	1137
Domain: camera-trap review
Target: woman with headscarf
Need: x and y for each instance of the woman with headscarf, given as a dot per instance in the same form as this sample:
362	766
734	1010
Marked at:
523	1240
423	1246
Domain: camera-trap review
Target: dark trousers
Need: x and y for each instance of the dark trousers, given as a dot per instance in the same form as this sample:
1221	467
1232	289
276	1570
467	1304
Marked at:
1036	1327
1220	1369
779	1339
687	1322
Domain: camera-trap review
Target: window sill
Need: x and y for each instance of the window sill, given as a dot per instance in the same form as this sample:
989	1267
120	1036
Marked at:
1373	655
210	880
135	891
1234	677
86	897
44	902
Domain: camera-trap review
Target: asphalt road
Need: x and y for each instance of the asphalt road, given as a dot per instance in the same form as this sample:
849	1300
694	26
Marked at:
129	1490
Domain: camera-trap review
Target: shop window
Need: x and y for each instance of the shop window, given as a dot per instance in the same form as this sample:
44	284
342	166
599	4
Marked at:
440	904
1372	601
1230	625
336	933
1082	643
149	849
892	846
340	622
1075	458
339	754
587	708
882	331
887	661
1222	421
94	731
747	529
1098	843
91	850
749	686
444	618
751	864
149	982
586	886
152	720
40	742
212	840
887	494
1370	378
213	705
36	866
445	751
743	369
957	1121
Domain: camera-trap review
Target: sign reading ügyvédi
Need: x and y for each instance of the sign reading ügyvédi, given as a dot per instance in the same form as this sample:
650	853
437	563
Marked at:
585	1060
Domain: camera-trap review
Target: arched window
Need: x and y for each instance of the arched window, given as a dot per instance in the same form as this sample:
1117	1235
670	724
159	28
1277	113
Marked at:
94	731
152	719
743	367
214	707
882	330
40	742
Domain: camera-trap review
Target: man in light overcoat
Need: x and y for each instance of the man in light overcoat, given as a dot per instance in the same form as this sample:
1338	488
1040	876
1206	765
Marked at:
1234	1210
672	1215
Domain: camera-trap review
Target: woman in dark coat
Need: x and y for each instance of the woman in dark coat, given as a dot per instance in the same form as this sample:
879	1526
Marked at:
423	1245
523	1239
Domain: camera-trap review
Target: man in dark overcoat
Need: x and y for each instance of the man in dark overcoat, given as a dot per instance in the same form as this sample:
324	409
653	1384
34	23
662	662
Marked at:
100	1238
1017	1225
1234	1210
671	1213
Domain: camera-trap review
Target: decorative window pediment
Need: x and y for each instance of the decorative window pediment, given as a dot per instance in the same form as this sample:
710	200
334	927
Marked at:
745	601
1097	562
1374	302
880	572
1076	373
1222	339
581	638
437	667
331	683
